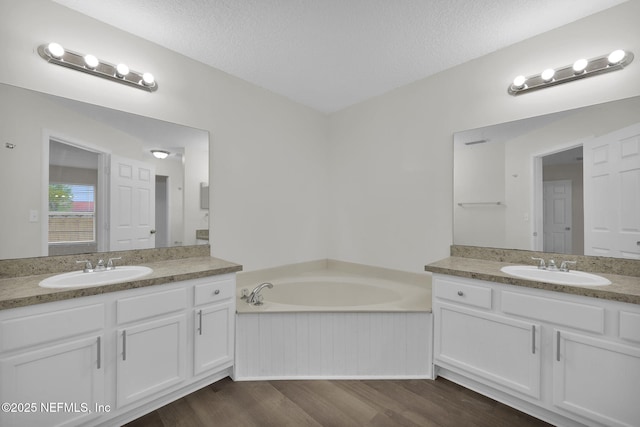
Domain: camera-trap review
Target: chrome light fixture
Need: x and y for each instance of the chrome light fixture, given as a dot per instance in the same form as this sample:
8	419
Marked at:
616	60
56	54
160	154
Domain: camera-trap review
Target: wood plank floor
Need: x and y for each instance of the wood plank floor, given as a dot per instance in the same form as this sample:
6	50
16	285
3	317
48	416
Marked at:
348	403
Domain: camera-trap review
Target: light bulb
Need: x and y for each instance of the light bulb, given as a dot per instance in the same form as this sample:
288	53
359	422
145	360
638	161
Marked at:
616	56
55	50
547	75
580	65
160	154
519	82
148	79
91	61
122	70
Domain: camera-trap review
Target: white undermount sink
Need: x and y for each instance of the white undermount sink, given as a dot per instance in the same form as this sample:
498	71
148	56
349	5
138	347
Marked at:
569	278
80	279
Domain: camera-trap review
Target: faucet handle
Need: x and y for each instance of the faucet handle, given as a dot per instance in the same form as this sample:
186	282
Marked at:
541	264
88	268
110	264
565	265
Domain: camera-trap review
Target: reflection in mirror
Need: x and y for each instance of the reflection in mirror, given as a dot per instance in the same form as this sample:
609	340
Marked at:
80	178
567	182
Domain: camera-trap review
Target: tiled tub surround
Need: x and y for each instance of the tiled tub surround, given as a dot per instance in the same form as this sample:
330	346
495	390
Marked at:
333	339
567	354
19	278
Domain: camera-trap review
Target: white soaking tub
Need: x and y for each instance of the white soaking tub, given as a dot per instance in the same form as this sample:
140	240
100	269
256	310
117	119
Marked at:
335	324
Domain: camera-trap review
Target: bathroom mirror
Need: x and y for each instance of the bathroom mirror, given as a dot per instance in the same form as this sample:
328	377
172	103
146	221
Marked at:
566	182
80	178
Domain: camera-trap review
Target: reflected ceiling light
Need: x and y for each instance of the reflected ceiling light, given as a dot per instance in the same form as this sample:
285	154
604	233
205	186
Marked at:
160	154
56	54
580	69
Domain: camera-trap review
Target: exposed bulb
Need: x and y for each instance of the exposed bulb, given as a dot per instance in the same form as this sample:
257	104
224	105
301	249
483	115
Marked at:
91	61
580	65
148	79
122	70
55	50
519	82
616	56
547	75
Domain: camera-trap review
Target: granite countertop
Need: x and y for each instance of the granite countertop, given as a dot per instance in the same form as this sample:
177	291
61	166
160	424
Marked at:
24	290
622	288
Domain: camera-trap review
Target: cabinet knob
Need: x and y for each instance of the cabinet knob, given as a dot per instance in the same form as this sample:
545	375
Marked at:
216	292
460	293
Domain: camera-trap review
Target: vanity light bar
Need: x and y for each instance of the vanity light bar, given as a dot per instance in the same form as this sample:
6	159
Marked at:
580	69
56	54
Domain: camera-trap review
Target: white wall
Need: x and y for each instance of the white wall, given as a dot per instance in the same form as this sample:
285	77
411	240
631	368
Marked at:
267	157
391	157
384	165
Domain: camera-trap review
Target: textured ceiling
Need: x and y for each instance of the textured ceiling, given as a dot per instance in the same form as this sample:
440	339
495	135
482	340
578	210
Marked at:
329	54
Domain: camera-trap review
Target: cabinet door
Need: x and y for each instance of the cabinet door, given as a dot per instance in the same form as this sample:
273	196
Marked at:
151	358
214	338
59	385
597	379
495	348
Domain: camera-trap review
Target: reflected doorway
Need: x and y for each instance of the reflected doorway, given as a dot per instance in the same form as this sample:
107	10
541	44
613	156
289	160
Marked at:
559	205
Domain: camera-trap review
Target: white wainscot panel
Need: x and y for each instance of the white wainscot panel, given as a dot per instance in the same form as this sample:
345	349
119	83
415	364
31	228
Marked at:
333	345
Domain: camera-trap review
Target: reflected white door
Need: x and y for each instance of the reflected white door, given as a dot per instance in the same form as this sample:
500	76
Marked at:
612	194
557	216
132	216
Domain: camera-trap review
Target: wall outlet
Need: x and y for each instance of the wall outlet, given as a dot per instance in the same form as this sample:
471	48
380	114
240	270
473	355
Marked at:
34	215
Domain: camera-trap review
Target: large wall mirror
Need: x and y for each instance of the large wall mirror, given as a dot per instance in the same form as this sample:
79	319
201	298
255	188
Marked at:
79	178
567	182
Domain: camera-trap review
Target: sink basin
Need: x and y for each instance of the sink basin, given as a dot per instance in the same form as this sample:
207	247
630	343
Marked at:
569	278
79	279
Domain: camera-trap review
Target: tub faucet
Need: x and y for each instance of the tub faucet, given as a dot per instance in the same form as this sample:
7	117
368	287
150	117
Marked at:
253	297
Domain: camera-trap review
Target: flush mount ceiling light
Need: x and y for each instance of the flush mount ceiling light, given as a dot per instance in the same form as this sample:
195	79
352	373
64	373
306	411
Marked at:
160	154
56	54
616	60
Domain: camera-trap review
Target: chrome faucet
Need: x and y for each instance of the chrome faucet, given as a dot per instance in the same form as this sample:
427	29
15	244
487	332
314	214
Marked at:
100	266
565	265
88	268
541	264
552	265
254	297
110	264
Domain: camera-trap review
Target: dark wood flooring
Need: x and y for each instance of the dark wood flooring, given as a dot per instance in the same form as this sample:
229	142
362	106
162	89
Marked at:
346	403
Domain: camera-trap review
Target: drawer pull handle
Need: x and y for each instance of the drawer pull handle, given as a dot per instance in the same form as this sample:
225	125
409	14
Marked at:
460	293
216	292
558	346
99	351
533	339
124	345
200	322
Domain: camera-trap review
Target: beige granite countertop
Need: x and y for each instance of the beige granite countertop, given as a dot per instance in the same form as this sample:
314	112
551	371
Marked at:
622	288
24	290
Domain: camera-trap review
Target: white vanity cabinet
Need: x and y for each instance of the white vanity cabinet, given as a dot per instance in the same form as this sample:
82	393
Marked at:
568	359
107	359
49	359
214	329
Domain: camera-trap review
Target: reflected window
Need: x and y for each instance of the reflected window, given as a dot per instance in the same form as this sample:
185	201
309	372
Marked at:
72	214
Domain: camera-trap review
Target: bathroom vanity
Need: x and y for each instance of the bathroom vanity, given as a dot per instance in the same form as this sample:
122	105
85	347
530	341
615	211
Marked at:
106	355
567	354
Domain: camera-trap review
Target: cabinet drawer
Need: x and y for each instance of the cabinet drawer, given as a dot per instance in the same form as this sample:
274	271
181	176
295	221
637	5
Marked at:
630	326
149	305
52	326
219	290
580	316
452	290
